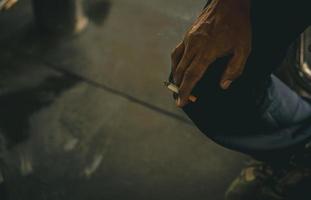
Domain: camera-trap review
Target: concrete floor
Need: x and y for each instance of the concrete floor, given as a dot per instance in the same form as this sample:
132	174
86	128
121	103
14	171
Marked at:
87	117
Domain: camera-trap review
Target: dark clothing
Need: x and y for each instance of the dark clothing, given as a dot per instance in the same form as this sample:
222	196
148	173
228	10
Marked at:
259	115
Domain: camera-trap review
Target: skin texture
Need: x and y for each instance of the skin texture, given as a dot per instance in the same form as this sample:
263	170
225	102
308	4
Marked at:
7	4
223	28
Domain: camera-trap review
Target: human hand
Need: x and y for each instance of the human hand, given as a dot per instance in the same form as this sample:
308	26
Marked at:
223	28
7	4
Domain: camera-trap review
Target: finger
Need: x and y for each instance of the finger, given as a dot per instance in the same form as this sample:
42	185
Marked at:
191	76
183	65
234	69
177	55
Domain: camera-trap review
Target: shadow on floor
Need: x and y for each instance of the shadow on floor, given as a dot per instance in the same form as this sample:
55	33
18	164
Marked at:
16	107
29	48
97	10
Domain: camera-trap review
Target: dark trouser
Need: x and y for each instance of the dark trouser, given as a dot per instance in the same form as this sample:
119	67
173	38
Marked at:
259	115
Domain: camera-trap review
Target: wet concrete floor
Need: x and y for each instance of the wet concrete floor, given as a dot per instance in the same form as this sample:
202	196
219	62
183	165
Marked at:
87	118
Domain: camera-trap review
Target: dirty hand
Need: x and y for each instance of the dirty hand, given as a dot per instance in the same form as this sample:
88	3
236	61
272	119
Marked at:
223	28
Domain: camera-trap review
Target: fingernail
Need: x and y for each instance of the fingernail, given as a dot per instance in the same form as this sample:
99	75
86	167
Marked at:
226	84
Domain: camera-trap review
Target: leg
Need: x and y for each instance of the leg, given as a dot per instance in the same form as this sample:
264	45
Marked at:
259	115
240	117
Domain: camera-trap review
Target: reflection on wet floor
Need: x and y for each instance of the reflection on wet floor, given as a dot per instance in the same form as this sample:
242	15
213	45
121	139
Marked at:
87	117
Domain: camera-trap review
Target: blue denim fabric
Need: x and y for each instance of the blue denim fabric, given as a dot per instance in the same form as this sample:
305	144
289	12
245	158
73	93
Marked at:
279	124
285	116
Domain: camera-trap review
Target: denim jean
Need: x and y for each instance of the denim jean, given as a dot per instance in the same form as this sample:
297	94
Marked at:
272	121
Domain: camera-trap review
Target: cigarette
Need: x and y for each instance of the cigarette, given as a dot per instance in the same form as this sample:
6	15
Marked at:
175	89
